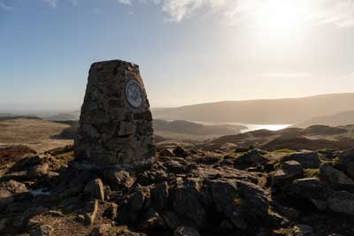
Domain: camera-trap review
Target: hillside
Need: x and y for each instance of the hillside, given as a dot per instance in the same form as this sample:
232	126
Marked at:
182	129
314	137
190	190
342	118
179	130
271	111
64	116
36	133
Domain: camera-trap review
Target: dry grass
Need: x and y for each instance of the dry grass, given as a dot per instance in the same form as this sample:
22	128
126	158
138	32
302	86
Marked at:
34	133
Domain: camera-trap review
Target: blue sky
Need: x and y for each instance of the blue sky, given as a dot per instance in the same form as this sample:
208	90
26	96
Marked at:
189	51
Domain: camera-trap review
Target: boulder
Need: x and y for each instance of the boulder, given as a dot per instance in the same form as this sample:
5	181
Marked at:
346	157
223	193
153	176
306	159
308	188
346	162
226	226
6	197
180	152
130	210
129	233
239	201
289	171
303	230
95	189
159	196
43	230
38	170
175	167
186	231
37	165
186	202
3	224
166	153
209	159
252	158
342	202
77	181
151	220
350	169
112	211
14	186
334	176
118	180
254	200
171	219
9	190
293	168
101	230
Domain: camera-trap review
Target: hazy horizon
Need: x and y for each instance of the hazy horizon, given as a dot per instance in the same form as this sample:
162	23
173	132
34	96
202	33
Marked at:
20	109
23	109
189	52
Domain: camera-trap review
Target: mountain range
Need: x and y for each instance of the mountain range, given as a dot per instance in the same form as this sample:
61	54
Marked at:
342	118
265	111
327	109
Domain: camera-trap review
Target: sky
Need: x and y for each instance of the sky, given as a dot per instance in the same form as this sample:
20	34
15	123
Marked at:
189	51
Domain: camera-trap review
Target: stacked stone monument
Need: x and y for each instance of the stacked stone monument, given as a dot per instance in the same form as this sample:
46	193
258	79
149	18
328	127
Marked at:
116	121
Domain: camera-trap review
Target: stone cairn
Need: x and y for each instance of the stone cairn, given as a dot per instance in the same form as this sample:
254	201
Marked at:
116	122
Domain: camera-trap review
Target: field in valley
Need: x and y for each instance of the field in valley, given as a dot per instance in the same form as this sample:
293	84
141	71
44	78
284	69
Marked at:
35	133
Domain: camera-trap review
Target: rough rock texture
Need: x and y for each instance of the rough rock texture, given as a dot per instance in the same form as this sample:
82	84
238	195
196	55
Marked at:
342	201
115	122
217	192
306	159
289	170
334	176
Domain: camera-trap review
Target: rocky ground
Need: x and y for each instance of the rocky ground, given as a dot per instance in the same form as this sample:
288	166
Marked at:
188	191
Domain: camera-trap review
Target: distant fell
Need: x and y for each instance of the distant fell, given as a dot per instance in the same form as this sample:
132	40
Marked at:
264	111
342	118
64	116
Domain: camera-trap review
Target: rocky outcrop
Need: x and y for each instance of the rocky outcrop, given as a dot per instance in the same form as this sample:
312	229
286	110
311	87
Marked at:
289	171
198	193
306	159
334	176
342	202
253	158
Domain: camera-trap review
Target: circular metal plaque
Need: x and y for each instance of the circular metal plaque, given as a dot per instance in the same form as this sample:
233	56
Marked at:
134	93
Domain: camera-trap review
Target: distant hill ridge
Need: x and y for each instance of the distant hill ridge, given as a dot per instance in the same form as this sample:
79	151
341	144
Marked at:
182	126
264	111
342	118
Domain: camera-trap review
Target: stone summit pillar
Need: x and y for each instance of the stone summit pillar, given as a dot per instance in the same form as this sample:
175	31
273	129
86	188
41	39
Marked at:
115	123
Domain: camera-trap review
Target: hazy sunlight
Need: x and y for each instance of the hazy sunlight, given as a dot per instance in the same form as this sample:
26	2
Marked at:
282	18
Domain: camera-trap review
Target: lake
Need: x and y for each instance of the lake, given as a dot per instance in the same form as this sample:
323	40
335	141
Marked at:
272	127
250	127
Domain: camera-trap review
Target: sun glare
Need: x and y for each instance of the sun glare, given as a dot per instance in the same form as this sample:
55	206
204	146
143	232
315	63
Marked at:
280	18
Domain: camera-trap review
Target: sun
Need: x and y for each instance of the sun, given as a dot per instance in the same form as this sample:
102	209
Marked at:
280	18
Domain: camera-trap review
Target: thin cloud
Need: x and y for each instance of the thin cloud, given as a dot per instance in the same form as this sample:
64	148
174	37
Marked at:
54	3
177	10
5	7
125	2
337	12
286	75
51	3
74	2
